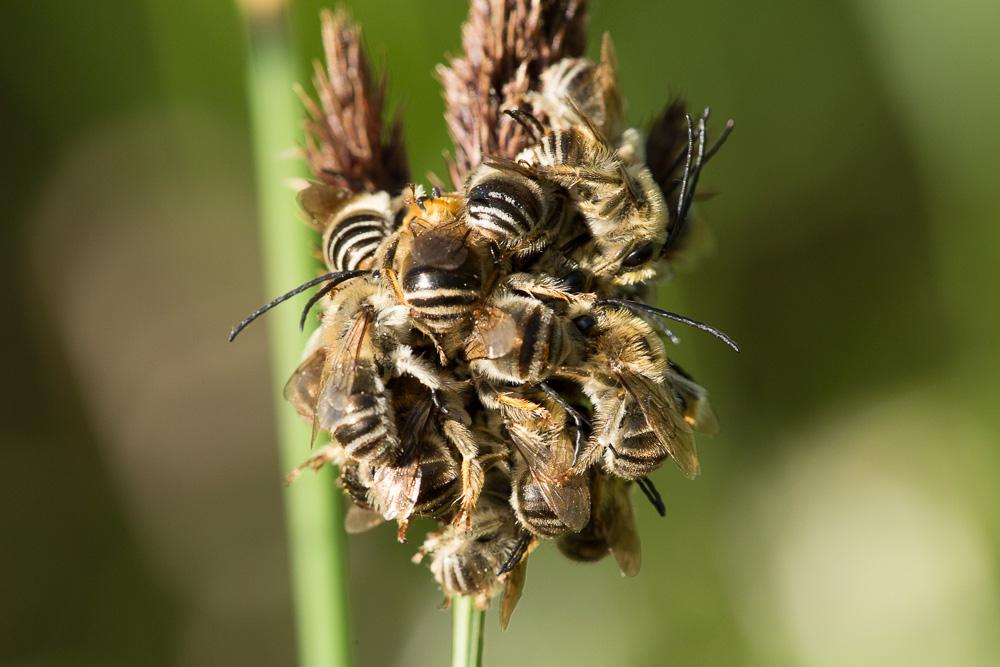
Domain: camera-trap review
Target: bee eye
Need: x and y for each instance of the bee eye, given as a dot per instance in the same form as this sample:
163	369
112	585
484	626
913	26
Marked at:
585	323
638	256
574	280
483	539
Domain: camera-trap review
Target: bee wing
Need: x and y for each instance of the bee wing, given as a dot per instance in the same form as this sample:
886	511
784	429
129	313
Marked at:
551	468
698	412
622	536
342	378
396	486
395	489
498	333
360	519
506	164
302	389
512	590
665	419
321	201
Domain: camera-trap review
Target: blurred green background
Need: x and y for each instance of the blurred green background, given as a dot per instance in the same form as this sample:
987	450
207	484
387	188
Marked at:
848	514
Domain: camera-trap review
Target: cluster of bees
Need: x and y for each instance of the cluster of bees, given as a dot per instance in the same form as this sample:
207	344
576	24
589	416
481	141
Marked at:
485	359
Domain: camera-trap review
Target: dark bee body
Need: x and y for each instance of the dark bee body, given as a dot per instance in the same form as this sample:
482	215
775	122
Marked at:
439	479
506	204
441	273
352	241
522	341
611	529
547	498
353	225
533	510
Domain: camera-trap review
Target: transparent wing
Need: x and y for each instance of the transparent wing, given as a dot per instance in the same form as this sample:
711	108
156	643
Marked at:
498	332
361	519
302	389
397	486
343	387
694	403
321	201
619	522
549	458
665	419
512	590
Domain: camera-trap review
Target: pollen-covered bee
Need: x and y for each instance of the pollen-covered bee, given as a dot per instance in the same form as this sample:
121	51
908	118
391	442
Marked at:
611	529
575	86
437	267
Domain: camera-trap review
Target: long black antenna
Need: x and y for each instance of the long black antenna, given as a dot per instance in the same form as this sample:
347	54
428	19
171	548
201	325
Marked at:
696	157
641	308
337	276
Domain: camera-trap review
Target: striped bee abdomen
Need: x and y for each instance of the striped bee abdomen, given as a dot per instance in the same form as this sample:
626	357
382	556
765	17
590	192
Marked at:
351	241
505	205
534	513
442	297
638	452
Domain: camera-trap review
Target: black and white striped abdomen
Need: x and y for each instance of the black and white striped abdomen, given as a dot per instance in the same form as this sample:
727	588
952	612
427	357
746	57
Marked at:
361	422
504	204
533	511
352	240
441	298
561	147
638	450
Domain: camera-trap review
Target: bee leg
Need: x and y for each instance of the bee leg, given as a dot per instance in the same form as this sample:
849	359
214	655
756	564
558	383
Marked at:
517	554
472	475
324	455
645	484
438	403
403	526
579	420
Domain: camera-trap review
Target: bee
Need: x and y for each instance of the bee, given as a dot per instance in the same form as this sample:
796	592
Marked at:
611	528
574	86
638	424
339	386
508	204
621	204
465	560
436	267
548	497
424	478
353	225
520	340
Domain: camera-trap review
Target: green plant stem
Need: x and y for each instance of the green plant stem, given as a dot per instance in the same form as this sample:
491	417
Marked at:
466	633
313	506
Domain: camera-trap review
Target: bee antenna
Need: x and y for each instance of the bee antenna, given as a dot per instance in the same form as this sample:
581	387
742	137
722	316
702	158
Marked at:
338	276
326	289
517	554
526	120
645	484
695	160
641	308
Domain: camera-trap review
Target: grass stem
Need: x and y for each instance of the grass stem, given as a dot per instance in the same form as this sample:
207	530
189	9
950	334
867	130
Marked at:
313	505
466	633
